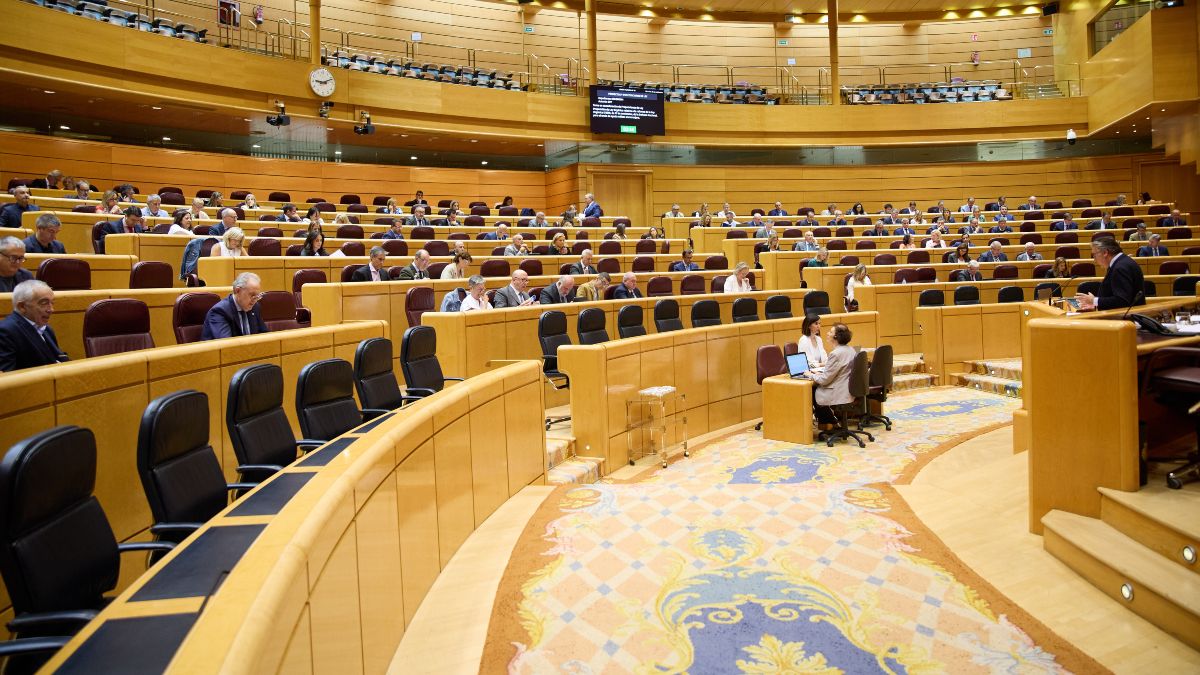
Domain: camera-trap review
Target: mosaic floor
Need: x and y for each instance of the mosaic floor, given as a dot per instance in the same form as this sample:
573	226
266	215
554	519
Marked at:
756	556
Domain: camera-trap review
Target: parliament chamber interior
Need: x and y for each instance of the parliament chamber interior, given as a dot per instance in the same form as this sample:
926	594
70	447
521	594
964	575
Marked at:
828	383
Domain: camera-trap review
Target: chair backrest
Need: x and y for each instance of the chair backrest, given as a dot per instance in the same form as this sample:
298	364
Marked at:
1067	237
397	247
918	256
706	313
278	310
1068	252
745	309
1056	290
666	316
609	248
816	302
58	551
258	426
187	317
864	244
1083	269
1004	272
966	295
66	274
374	378
552	334
151	274
884	259
716	262
610	265
643	264
325	403
778	307
645	246
348	271
262	245
351	199
717	284
279	197
629	322
417	301
692	284
1184	286
349	232
931	297
434	247
860	376
354	248
769	361
590	326
116	325
1179	233
1034	237
1011	294
904	275
658	286
836	245
495	268
425	232
1174	267
881	368
180	473
532	267
737	234
1081	203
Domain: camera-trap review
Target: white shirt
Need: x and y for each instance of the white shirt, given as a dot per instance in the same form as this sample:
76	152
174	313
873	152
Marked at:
732	285
178	229
221	250
451	272
814	348
469	303
854	282
935	244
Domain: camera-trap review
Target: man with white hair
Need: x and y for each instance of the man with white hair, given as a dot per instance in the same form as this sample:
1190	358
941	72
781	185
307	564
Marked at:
12	254
584	266
237	315
153	209
592	210
539	220
10	215
516	294
517	247
995	253
1030	253
228	222
628	288
559	292
26	339
501	233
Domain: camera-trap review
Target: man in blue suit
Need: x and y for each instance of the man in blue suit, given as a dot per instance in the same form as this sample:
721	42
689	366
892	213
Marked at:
1155	247
237	315
26	339
592	210
10	214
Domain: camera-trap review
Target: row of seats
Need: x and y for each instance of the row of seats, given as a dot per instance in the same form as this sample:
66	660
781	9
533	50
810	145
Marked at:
47	481
921	256
701	93
925	92
72	274
969	295
1125	227
468	75
100	11
1081	203
919	275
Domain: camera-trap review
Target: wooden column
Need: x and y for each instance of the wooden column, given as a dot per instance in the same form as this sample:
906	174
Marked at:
590	8
314	32
835	80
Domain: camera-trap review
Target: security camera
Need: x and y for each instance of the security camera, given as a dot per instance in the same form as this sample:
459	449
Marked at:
281	119
366	128
1071	137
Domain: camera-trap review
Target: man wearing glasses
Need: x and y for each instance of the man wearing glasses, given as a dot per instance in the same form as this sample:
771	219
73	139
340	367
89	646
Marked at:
237	314
12	254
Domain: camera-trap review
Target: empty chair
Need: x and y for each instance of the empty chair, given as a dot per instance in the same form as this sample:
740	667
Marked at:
187	317
1184	286
1068	252
906	275
768	362
966	295
495	268
816	302
879	383
716	262
918	256
151	274
645	246
532	267
692	284
419	363
116	325
609	248
374	378
180	473
354	248
258	426
351	199
417	301
1068	237
279	197
1173	267
325	403
66	274
349	232
1011	294
59	555
1083	269
1081	203
706	313
629	322
552	334
658	287
884	259
1004	272
1053	287
778	307
610	265
1033	237
717	284
434	247
264	246
643	264
931	297
1179	233
395	247
666	316
745	309
278	310
271	232
590	326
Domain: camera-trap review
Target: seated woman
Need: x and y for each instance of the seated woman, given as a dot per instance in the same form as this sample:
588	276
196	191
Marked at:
476	295
109	203
656	232
313	218
1060	270
559	245
507	201
772	244
706	220
811	344
619	231
249	203
342	219
832	385
859	278
230	245
393	207
569	217
457	269
822	259
961	254
739	281
215	201
314	244
182	223
907	242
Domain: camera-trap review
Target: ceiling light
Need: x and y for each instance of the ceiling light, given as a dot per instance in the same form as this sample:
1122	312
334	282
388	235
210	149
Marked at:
64	127
245	119
539	145
155	107
337	152
484	162
255	145
414	157
166	138
474	140
47	91
1163	110
403	135
328	128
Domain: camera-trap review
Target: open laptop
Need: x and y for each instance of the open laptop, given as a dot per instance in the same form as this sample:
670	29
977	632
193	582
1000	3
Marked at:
797	365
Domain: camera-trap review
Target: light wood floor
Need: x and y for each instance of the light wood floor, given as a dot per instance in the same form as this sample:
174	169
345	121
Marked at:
975	498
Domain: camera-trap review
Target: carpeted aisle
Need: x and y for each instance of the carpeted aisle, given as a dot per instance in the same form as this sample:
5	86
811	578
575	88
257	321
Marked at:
761	557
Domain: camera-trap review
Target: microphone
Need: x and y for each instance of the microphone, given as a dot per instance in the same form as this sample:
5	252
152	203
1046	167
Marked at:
1140	295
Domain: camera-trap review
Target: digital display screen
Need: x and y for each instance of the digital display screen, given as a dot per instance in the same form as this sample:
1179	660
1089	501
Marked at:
627	111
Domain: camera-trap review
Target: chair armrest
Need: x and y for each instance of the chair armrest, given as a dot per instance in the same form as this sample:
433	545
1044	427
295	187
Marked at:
145	546
33	645
309	443
428	392
240	486
453	379
162	528
259	467
371	413
28	621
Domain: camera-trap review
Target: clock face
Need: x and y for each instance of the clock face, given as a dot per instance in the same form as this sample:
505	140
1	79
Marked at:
320	80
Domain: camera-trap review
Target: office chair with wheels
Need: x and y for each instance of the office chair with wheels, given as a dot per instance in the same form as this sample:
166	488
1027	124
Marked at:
374	379
859	386
1172	377
878	385
418	362
552	334
325	402
258	427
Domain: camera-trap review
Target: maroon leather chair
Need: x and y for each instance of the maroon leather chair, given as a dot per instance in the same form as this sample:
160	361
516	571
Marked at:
768	362
532	267
716	262
278	310
349	232
151	274
609	248
610	265
66	274
264	246
642	263
659	287
116	325
348	273
417	301
353	248
352	199
300	278
494	268
272	232
692	284
435	247
279	197
395	246
187	317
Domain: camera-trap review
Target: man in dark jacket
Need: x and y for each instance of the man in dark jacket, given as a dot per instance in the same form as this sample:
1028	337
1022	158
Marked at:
237	315
26	339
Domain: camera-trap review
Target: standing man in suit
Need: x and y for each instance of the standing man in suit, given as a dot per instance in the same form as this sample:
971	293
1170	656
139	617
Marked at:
10	214
628	289
26	339
12	254
374	270
416	269
1122	282
45	238
516	293
237	315
584	266
592	210
559	292
1154	248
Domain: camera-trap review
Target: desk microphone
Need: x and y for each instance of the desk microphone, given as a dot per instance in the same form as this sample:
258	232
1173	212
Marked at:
1140	295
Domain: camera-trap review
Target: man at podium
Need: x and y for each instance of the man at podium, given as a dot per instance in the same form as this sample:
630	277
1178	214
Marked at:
1122	281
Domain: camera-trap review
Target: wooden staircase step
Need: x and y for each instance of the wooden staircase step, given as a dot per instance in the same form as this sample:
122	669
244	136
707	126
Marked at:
907	363
1163	520
1159	591
996	385
576	470
558	450
909	381
1009	369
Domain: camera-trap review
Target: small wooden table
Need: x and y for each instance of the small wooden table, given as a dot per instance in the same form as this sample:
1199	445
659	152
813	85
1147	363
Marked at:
787	409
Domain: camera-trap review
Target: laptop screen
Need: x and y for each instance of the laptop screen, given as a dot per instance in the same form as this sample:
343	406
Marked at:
797	363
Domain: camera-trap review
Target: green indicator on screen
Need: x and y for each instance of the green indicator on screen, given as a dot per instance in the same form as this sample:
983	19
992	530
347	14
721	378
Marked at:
628	129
